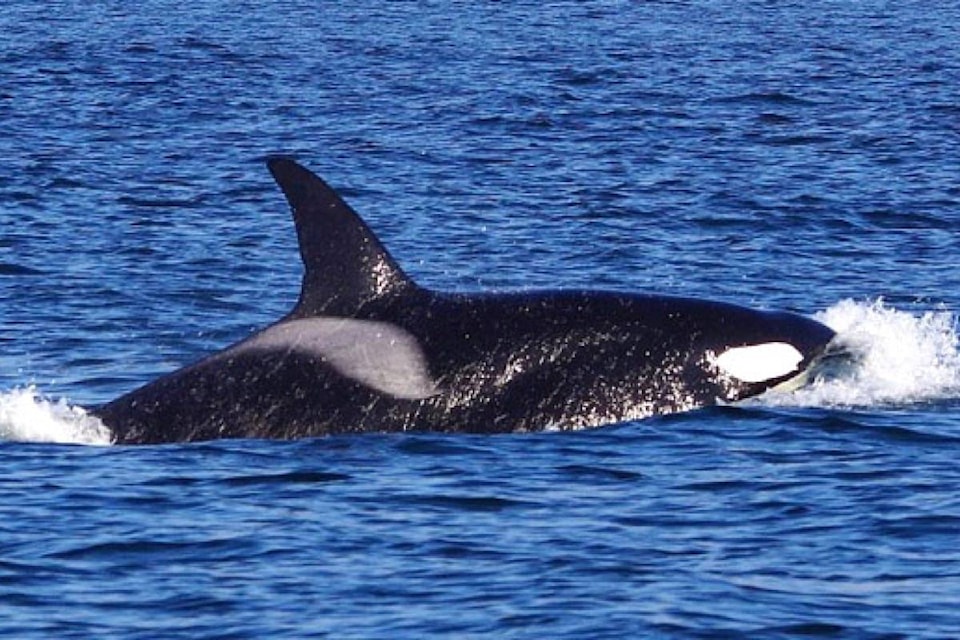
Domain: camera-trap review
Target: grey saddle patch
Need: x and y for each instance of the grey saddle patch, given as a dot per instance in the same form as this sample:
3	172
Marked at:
379	355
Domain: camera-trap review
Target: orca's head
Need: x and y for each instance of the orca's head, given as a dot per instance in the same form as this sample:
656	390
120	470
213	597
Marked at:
769	350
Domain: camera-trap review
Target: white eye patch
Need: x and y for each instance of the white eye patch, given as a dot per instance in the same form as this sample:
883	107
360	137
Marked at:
760	362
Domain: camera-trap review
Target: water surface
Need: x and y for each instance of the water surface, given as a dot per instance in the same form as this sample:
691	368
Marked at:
800	156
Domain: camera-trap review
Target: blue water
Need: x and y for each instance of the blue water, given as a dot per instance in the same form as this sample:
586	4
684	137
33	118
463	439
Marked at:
802	156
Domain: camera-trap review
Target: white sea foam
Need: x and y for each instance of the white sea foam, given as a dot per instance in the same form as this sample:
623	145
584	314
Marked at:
26	416
901	358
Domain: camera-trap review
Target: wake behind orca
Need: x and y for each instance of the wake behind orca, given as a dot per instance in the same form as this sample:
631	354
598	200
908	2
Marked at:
367	349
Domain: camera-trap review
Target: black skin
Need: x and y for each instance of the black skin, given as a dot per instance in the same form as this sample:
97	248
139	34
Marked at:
501	362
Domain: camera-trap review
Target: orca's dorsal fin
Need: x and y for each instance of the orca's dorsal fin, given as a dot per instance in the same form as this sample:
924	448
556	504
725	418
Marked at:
345	265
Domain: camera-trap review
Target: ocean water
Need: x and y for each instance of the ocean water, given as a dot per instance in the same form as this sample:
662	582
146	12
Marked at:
799	156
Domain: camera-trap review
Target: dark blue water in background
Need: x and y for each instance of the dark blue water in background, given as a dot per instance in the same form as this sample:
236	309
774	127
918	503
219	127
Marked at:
803	156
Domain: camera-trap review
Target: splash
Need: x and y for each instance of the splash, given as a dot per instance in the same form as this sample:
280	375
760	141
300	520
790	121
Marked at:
25	416
901	358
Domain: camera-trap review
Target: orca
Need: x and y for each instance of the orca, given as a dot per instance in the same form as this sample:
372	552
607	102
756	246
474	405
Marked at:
366	349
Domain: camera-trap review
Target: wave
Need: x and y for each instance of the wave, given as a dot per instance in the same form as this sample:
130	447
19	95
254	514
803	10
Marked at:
901	358
25	416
